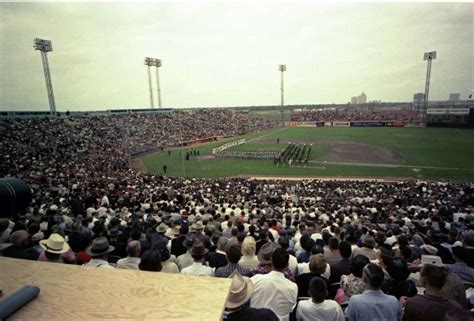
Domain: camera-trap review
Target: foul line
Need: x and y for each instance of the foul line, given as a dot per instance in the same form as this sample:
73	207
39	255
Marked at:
267	134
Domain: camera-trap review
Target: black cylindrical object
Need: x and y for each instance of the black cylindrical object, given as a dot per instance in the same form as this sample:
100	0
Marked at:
16	300
15	196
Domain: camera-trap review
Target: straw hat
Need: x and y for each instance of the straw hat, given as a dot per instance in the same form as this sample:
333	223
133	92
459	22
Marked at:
161	228
240	290
198	225
175	230
54	244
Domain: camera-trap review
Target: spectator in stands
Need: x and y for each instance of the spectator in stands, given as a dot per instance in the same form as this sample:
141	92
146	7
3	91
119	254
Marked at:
150	261
368	248
20	248
248	260
317	308
307	243
265	259
273	290
453	289
343	267
333	254
198	252
353	283
373	304
233	256
120	247
398	285
460	268
168	263
158	240
177	246
241	290
317	267
132	260
219	257
430	306
99	251
186	259
56	249
469	247
284	242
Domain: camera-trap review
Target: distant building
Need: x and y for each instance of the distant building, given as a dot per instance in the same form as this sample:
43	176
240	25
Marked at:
454	97
362	99
418	98
357	100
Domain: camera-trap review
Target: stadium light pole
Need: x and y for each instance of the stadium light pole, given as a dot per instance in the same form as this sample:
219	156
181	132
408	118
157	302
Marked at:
150	62
45	46
428	56
282	69
157	63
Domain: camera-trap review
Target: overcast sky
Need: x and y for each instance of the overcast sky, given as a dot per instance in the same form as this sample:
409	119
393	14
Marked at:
216	54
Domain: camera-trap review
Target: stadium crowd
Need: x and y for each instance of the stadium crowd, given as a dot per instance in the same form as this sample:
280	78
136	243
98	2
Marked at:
358	114
311	250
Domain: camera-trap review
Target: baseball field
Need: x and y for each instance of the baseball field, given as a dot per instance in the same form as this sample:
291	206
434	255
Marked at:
422	153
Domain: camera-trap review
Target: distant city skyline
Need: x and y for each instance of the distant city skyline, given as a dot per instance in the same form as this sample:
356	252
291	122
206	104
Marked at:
227	54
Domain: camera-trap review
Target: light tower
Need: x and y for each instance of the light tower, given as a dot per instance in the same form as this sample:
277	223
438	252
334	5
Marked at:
150	62
45	46
157	64
428	56
282	69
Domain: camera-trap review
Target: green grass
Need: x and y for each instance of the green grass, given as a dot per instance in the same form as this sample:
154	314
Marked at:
259	147
432	147
271	114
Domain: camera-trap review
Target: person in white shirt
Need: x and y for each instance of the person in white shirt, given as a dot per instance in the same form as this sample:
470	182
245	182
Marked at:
317	308
273	290
133	259
99	250
198	252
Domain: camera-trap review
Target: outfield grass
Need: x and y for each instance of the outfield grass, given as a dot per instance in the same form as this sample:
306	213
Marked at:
449	151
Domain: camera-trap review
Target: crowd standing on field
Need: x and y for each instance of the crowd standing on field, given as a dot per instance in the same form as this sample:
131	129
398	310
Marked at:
308	250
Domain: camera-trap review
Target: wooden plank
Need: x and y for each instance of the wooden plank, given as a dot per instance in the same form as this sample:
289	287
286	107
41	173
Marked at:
79	292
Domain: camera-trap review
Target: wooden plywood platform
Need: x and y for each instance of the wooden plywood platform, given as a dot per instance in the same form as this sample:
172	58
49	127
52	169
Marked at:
78	292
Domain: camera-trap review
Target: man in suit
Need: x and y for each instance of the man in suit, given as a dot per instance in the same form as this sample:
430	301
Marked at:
177	247
218	258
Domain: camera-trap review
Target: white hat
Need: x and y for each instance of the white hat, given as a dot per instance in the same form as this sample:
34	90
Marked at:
55	244
240	291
